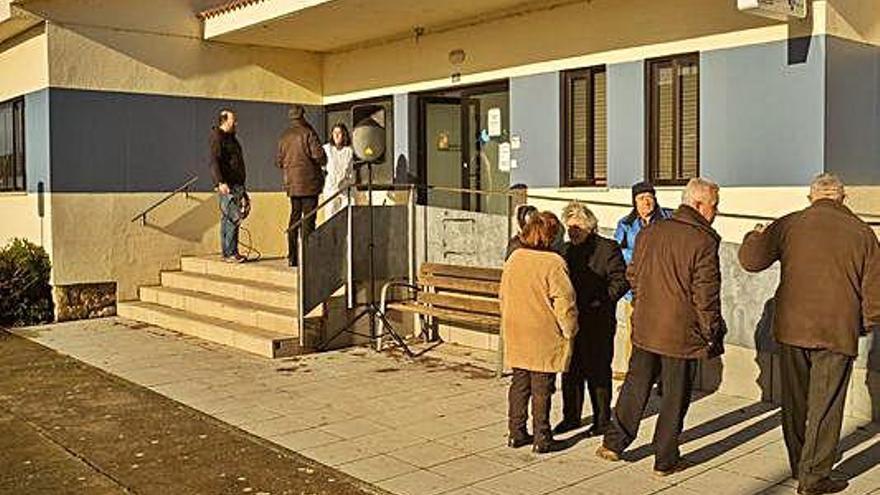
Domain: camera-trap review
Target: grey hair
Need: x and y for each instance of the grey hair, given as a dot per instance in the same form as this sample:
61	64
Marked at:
296	111
579	212
699	190
827	186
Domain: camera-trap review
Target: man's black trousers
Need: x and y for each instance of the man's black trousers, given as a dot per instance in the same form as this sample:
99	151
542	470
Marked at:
299	207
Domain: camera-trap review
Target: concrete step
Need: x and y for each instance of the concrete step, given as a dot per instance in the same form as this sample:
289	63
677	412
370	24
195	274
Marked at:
283	321
273	271
266	294
244	337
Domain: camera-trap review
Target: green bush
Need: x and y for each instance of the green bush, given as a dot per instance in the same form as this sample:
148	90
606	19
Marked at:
25	293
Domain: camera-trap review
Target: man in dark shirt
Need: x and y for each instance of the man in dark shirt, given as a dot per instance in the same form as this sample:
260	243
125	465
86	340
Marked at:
228	172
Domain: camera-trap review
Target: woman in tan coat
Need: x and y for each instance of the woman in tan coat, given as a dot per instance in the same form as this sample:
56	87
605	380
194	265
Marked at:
538	324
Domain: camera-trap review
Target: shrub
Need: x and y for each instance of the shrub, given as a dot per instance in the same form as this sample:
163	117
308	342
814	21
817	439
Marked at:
25	293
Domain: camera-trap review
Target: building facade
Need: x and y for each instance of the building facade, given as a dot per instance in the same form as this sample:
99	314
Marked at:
106	106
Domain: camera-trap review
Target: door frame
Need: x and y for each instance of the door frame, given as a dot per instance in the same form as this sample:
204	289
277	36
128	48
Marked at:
455	94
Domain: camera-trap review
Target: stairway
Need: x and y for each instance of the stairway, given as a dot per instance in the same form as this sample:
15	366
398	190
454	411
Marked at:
250	306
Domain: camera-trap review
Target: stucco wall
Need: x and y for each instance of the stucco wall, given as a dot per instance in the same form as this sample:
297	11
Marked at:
24	60
86	57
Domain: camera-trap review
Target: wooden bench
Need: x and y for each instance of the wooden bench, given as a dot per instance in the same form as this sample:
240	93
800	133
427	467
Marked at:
453	293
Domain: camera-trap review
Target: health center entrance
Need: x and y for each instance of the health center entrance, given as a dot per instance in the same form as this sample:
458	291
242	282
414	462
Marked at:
464	143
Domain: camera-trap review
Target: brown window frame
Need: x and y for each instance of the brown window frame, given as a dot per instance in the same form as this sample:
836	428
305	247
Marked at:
9	176
652	116
566	126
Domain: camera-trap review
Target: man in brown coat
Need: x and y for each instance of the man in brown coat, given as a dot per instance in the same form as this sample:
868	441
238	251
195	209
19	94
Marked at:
829	292
301	159
676	282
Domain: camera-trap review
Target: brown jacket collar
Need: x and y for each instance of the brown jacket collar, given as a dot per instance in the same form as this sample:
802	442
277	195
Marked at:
830	203
689	215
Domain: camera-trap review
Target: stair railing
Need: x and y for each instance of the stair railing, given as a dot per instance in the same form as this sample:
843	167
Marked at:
185	188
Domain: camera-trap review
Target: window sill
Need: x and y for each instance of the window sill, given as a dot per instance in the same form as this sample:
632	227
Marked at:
583	189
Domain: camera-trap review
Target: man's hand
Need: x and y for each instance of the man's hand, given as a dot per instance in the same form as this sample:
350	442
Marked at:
222	188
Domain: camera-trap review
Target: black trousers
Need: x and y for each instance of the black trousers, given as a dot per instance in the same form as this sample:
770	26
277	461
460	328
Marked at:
678	377
300	206
599	388
814	385
539	387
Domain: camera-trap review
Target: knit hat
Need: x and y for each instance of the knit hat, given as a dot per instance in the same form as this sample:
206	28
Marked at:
642	187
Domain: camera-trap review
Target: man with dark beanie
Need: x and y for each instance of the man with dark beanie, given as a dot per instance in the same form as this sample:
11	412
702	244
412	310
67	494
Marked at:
301	159
228	172
646	210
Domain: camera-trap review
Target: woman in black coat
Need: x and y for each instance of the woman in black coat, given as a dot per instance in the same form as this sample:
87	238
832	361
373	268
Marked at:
598	274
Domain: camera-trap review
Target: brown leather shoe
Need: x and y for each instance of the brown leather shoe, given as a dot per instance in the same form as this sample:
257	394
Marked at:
827	485
547	446
607	454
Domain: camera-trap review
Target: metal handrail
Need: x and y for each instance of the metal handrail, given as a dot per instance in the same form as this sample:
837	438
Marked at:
185	187
321	205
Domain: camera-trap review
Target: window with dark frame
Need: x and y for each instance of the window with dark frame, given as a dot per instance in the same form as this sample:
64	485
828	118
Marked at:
12	145
673	107
584	128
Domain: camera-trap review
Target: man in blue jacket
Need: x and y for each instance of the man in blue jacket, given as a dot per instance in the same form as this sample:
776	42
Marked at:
645	211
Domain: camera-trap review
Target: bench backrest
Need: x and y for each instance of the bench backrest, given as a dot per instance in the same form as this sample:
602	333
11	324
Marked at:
464	288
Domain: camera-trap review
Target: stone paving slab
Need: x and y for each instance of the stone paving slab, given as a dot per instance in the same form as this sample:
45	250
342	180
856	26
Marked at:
437	425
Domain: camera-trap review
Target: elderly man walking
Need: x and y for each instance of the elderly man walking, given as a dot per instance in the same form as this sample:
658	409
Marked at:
676	281
301	159
829	292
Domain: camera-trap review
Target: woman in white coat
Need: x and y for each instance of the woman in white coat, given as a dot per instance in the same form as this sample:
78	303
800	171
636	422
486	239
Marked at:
340	169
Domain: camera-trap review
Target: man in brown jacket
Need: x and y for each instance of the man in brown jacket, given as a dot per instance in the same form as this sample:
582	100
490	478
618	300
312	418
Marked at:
676	281
301	159
829	292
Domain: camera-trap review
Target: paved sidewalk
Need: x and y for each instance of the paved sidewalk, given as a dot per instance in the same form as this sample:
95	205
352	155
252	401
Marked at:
433	426
69	428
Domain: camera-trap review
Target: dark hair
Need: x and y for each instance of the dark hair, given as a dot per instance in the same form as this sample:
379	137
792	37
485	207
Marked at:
540	231
523	214
346	137
223	116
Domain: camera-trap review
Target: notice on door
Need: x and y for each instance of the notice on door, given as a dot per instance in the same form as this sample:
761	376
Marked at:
494	122
504	157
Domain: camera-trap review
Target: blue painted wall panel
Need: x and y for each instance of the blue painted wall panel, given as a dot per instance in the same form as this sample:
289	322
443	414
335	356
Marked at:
534	116
122	142
762	114
36	139
852	133
626	123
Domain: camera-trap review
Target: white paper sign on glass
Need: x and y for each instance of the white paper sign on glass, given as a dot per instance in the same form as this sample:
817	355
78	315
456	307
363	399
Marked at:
504	157
494	118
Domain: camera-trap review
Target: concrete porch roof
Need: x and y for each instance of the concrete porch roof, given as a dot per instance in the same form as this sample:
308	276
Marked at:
340	25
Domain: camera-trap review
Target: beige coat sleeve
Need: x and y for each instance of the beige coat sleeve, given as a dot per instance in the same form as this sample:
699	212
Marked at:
563	300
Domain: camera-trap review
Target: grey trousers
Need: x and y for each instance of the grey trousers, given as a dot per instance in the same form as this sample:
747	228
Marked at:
814	385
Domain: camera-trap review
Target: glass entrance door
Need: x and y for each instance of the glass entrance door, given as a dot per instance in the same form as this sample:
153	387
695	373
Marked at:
464	144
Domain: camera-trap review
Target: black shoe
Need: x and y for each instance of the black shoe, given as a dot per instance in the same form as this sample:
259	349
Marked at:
547	446
566	426
827	485
679	466
596	431
519	440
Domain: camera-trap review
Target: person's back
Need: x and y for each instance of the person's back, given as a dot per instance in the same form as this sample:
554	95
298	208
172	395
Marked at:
676	286
825	251
302	157
533	337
